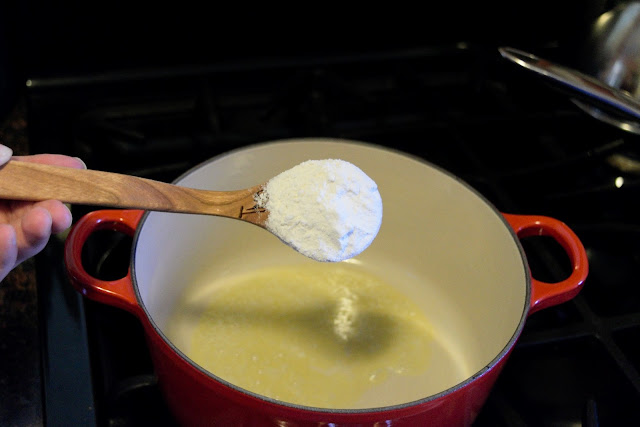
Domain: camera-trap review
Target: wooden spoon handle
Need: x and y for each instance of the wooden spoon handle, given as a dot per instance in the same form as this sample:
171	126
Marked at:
32	181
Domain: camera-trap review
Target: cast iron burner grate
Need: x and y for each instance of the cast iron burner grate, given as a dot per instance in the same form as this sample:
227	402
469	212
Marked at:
522	145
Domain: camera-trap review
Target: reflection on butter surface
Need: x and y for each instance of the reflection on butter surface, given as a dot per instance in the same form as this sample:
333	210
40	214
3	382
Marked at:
322	335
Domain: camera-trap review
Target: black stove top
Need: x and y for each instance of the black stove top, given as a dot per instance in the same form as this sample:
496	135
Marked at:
526	147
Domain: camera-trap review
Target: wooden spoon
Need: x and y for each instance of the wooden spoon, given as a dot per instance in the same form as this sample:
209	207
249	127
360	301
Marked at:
34	182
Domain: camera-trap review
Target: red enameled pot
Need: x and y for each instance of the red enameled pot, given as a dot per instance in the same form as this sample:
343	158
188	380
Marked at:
464	256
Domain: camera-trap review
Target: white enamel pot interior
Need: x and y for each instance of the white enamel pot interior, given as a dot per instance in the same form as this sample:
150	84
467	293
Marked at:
440	242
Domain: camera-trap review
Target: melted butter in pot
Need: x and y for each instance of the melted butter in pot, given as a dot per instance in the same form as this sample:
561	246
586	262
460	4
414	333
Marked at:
320	335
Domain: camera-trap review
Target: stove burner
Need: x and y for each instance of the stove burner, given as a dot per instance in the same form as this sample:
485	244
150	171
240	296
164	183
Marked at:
524	147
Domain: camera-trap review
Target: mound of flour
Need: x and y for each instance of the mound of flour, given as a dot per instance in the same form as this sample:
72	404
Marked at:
328	210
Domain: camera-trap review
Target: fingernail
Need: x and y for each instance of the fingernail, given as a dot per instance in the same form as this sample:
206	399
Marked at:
81	161
5	154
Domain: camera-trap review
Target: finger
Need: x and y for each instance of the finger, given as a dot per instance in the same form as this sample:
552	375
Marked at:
33	232
60	214
53	159
5	154
8	250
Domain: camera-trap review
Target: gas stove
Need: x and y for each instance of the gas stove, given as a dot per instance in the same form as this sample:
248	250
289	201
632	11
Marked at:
523	145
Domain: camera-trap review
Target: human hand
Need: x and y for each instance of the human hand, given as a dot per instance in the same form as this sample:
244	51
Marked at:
25	227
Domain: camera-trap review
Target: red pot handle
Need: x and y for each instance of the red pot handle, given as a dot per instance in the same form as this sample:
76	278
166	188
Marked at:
118	293
544	294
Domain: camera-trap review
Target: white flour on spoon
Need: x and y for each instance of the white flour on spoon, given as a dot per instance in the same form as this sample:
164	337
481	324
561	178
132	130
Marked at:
328	210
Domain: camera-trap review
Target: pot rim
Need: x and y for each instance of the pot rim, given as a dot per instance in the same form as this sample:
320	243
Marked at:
472	378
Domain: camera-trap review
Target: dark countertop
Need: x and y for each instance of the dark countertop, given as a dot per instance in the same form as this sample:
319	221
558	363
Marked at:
20	383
